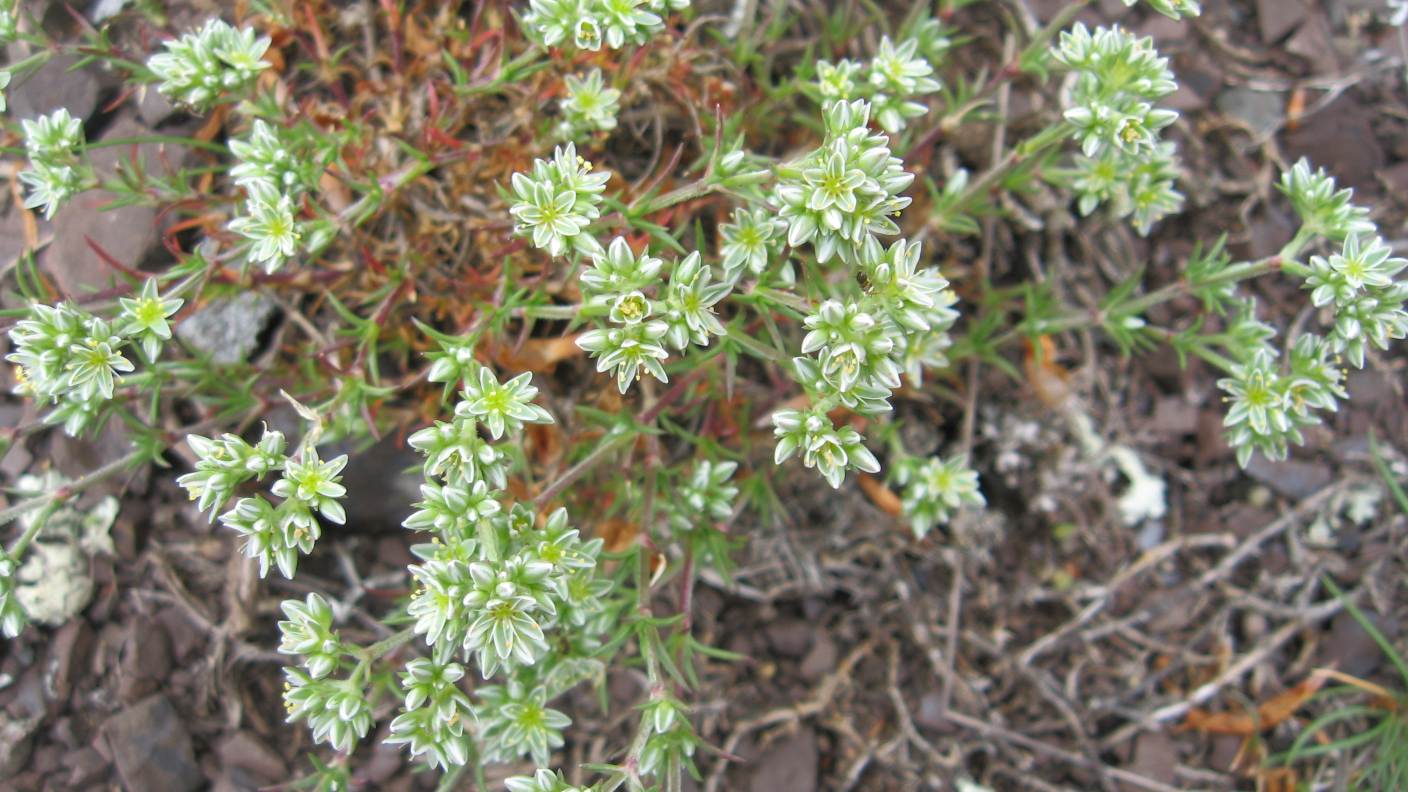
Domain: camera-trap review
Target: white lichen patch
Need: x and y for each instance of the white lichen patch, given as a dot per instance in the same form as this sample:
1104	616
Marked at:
54	583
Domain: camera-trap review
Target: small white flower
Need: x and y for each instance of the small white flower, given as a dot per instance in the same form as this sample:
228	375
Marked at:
589	106
269	223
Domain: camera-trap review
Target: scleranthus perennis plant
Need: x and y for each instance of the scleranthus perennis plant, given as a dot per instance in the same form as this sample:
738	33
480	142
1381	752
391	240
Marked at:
557	200
200	68
587	106
56	173
621	274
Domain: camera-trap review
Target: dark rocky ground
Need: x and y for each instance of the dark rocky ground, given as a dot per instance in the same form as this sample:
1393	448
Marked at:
1041	645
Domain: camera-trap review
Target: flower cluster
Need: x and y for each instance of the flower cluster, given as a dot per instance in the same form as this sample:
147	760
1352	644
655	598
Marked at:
589	106
1359	289
557	200
272	156
273	534
1359	285
846	191
706	496
492	586
55	173
704	503
270	225
1140	188
275	171
859	349
1270	407
831	451
587	24
749	242
515	720
497	609
915	305
1323	209
201	67
307	632
144	319
1123	164
73	359
433	723
891	81
337	710
646	316
934	489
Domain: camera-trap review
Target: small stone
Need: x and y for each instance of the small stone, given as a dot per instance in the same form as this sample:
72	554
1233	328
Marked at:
1226	750
789	765
244	751
16	743
385	761
1175	416
1164	30
85	766
1290	477
1277	18
46	759
127	234
227	330
821	660
151	748
1268	232
1314	41
153	107
790	637
1341	139
1156	757
1262	111
930	712
146	659
68	656
1349	648
187	637
54	85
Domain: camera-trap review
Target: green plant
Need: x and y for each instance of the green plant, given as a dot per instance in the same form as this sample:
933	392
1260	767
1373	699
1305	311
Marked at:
784	293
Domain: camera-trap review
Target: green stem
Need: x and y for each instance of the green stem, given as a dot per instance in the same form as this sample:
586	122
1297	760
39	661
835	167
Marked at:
359	212
549	311
22	544
1245	270
1075	320
752	346
796	303
35	60
387	645
66	491
1303	236
1051	136
1202	350
173	140
695	189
